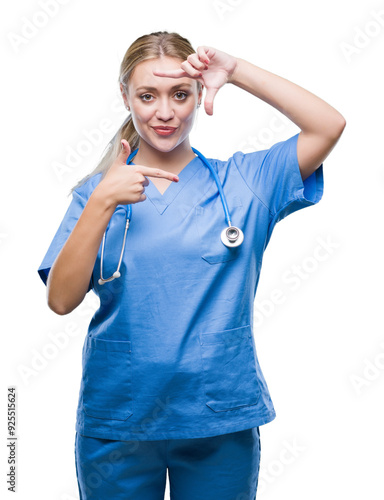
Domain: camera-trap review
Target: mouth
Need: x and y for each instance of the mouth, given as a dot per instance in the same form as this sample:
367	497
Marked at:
164	130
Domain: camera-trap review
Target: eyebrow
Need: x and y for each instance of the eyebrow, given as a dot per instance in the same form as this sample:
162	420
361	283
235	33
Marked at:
153	89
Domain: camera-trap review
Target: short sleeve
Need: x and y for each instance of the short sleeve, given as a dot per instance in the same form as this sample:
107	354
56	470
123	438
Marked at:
69	221
274	177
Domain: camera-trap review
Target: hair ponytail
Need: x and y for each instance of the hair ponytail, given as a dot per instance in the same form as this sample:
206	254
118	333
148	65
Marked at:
128	132
152	46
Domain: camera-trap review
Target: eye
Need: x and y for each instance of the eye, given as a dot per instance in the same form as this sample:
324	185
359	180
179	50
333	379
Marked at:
143	97
180	95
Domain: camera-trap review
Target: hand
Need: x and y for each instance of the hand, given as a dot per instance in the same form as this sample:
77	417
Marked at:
124	184
211	67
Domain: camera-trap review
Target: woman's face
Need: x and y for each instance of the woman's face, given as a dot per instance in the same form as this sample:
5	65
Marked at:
162	109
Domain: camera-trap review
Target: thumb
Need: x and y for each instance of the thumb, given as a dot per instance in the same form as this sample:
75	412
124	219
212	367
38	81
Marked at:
125	150
209	97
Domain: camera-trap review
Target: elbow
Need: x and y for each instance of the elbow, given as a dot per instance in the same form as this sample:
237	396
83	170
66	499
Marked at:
55	300
342	124
61	305
58	308
57	304
338	126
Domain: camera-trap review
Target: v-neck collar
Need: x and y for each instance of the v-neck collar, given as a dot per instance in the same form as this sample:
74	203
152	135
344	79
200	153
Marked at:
162	201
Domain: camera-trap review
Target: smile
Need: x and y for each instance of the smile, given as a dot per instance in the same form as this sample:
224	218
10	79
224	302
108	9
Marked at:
164	130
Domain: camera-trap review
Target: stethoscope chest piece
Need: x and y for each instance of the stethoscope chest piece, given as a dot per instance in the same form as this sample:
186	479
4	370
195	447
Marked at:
232	236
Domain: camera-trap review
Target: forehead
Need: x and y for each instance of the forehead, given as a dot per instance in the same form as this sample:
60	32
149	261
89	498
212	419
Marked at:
143	73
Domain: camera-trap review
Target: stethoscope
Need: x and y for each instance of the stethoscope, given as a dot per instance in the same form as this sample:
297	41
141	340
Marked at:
231	236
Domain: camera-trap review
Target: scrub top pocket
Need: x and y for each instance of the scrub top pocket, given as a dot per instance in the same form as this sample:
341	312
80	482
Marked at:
210	221
229	369
107	389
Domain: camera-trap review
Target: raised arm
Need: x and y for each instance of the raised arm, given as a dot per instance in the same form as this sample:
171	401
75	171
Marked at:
321	125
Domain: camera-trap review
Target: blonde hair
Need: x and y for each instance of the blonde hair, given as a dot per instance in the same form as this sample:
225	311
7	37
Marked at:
152	46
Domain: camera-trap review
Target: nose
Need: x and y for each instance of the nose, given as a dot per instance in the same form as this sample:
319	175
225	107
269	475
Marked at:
164	110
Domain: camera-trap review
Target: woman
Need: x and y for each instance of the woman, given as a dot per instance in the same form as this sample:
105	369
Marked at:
171	377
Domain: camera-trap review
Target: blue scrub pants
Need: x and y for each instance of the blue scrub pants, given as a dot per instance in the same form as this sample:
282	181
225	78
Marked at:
224	467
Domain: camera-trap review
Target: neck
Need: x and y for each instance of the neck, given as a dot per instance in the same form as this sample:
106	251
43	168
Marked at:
171	161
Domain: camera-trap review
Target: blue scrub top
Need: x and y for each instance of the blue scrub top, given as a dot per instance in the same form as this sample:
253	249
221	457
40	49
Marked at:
170	353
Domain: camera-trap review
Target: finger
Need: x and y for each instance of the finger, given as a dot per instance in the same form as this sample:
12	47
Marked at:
156	172
203	55
208	102
142	198
125	150
190	70
171	73
208	51
194	60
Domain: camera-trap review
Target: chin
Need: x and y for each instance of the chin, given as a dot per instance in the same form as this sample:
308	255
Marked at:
164	148
164	145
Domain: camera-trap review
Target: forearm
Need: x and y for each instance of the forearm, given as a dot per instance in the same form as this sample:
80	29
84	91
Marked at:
69	277
310	113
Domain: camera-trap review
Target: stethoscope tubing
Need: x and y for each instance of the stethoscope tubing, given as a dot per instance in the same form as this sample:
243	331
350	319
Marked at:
218	183
226	236
214	173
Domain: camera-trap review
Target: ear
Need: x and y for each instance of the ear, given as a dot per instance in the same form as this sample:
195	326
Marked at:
200	94
124	95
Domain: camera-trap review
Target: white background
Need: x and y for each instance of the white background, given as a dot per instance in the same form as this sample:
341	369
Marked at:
322	348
